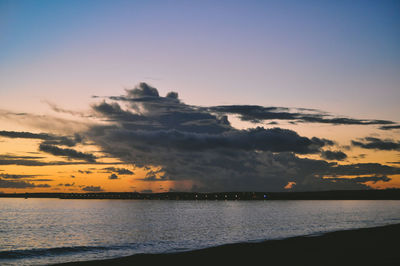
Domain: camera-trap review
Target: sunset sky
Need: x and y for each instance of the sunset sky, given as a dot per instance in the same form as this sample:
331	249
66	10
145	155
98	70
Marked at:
199	95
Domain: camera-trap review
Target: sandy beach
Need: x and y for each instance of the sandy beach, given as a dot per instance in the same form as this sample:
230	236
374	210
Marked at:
367	246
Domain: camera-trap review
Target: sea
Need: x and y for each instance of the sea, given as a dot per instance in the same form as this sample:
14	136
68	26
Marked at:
49	231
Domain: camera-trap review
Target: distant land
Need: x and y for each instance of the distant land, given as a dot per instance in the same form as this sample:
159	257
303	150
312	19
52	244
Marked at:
386	194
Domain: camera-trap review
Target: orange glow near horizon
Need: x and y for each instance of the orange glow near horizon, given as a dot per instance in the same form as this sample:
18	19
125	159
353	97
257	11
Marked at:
51	173
74	178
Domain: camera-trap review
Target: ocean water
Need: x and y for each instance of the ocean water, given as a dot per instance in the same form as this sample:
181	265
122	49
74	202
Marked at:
47	231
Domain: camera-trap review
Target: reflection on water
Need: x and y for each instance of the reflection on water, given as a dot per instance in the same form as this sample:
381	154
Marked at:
40	231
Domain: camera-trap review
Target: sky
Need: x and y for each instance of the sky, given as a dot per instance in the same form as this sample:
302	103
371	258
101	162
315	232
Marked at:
199	95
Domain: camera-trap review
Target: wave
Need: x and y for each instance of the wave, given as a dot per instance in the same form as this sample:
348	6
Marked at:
37	252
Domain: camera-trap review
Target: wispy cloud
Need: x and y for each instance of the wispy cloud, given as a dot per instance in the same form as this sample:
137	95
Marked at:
20	184
377	144
69	153
27	161
257	114
48	138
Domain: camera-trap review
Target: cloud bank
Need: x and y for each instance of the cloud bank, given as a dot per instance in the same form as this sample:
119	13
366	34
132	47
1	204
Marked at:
198	144
199	147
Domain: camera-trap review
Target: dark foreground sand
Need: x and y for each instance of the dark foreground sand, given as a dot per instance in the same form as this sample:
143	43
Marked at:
369	246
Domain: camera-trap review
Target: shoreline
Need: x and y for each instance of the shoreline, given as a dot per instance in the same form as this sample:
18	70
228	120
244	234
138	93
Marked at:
364	246
369	194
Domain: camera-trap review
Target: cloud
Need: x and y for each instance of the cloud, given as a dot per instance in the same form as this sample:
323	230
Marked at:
70	153
45	122
172	95
85	171
275	140
390	127
39	179
333	155
25	135
257	114
114	112
67	184
198	144
360	156
64	141
361	179
92	189
362	169
377	144
25	178
25	161
19	157
15	184
7	159
113	176
120	171
43	185
58	109
48	138
143	90
8	176
20	184
153	175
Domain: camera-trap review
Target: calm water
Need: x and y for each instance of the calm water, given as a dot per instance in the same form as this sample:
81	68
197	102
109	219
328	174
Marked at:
45	231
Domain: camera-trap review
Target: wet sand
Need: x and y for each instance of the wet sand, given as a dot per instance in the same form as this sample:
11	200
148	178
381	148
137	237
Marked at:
368	246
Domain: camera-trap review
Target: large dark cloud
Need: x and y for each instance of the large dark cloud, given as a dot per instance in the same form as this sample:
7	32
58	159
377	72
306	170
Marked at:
377	144
69	153
199	144
260	139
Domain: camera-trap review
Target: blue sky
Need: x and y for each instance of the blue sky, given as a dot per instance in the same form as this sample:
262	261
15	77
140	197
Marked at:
337	55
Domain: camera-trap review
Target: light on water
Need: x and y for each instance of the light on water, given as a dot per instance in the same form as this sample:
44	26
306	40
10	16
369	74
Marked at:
43	231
